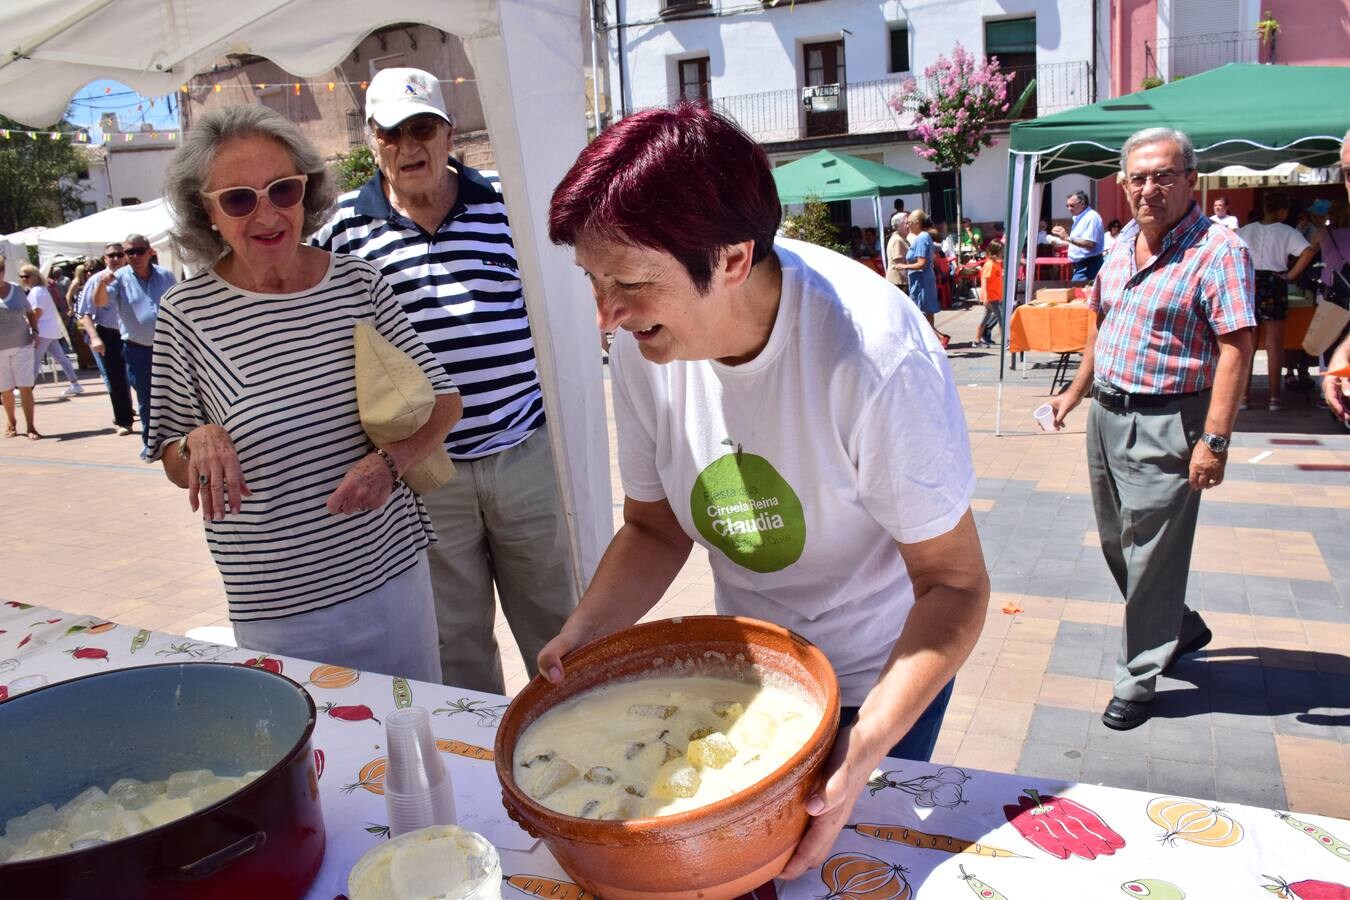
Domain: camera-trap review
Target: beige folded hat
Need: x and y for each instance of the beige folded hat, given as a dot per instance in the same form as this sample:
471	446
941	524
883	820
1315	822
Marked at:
394	398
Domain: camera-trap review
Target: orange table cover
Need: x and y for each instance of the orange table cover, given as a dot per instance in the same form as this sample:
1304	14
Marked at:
1053	329
1295	327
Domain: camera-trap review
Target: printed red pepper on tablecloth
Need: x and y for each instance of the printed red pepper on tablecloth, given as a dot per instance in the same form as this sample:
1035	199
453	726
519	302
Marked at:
1309	889
1061	827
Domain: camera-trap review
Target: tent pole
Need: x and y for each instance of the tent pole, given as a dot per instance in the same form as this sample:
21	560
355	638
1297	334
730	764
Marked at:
1016	221
881	232
1032	199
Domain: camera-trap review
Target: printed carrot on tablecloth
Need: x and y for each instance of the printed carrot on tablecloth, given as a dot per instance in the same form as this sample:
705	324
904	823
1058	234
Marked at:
922	840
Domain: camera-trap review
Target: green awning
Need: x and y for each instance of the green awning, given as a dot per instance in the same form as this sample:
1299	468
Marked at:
838	176
1241	114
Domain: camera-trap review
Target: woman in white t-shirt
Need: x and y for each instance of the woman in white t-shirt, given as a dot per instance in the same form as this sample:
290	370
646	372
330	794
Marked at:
788	410
1272	243
49	331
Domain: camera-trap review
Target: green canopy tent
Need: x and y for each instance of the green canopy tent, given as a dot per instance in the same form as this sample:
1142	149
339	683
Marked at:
837	176
1241	114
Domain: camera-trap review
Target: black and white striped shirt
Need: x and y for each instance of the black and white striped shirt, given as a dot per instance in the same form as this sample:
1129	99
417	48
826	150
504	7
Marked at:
461	290
277	371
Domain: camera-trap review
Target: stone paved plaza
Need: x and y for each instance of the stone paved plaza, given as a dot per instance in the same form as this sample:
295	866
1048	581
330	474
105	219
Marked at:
1262	716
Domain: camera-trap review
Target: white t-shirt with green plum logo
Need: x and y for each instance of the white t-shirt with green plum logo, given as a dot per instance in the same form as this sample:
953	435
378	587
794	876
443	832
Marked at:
801	469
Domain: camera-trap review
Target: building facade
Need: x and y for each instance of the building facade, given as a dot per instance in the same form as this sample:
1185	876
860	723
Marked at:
805	76
817	74
127	168
329	108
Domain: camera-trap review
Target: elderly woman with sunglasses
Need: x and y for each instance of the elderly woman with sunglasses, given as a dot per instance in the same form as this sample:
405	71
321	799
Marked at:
320	544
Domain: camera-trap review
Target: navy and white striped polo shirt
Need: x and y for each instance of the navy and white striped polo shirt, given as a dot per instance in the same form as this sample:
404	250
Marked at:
461	289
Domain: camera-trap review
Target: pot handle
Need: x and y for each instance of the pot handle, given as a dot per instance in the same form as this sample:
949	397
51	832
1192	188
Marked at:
213	862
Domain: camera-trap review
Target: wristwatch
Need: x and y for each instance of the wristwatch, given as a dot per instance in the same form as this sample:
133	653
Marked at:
1216	443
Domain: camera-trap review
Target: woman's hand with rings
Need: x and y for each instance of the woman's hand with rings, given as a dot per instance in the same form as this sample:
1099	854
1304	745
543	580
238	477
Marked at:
216	482
366	486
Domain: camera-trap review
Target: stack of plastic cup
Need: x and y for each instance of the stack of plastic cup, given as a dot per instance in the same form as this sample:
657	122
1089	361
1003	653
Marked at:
417	788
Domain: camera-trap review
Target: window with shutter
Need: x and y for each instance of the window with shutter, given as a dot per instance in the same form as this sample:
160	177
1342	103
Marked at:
899	48
1013	41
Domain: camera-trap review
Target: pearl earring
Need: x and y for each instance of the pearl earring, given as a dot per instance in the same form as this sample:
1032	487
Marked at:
215	227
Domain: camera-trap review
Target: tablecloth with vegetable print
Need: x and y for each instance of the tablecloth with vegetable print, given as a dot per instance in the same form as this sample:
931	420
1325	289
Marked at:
919	830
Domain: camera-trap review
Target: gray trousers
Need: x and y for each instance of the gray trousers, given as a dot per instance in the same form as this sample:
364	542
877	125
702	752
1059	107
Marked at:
387	630
1138	463
499	521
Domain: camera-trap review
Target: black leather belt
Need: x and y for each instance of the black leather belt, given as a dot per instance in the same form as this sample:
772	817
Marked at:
1123	402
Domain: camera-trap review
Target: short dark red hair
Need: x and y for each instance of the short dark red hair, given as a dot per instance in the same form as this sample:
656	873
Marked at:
685	181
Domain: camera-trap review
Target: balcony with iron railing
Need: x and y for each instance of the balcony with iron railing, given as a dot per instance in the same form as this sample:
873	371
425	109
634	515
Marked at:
1048	88
863	107
1168	58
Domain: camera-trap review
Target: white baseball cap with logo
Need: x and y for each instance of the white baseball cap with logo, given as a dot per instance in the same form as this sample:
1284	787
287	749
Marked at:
398	94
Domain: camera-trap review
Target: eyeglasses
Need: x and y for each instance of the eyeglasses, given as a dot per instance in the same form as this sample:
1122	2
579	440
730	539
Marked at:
240	202
137	251
23	275
115	255
423	128
1164	179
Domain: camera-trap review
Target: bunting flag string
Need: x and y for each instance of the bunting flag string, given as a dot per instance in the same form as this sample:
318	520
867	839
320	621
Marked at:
297	86
82	137
79	137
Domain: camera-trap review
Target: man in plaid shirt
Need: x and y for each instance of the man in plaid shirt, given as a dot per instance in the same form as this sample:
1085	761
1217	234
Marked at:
1166	360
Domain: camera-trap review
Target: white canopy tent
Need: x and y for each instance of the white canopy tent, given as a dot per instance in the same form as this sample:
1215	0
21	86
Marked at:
87	237
527	55
15	247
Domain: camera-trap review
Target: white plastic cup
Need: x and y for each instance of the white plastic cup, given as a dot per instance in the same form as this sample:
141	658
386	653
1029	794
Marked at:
418	792
1045	415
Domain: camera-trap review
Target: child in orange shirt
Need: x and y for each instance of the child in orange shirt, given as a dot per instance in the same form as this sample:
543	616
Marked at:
991	293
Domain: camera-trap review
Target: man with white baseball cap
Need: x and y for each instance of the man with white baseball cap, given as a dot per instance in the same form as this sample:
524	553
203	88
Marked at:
439	234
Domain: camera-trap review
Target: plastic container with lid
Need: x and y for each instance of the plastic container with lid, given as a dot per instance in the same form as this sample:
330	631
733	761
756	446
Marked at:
443	862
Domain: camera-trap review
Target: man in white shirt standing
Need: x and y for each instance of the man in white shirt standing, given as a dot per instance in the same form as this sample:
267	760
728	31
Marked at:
1222	216
1086	237
1272	242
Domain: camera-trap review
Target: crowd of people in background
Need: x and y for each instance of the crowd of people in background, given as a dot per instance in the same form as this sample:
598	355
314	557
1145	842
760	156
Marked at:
1304	249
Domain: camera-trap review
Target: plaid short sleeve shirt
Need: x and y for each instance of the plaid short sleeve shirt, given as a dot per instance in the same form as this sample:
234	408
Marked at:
1158	334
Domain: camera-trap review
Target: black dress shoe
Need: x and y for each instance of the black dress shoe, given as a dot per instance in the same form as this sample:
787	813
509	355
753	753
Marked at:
1199	642
1122	715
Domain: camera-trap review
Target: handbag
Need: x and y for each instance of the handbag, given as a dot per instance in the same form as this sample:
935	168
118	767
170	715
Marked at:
394	398
1339	289
1328	321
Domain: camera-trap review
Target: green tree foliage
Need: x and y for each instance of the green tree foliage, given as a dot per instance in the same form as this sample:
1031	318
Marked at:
31	173
813	224
354	169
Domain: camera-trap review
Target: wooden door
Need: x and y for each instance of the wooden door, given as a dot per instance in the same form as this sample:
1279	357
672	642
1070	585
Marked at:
824	64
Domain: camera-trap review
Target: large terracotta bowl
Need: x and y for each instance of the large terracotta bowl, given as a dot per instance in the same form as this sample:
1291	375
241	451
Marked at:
717	851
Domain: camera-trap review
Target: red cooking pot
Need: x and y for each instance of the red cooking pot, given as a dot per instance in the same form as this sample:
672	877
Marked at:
264	841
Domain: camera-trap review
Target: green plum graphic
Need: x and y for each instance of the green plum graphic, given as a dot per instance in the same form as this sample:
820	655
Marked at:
743	507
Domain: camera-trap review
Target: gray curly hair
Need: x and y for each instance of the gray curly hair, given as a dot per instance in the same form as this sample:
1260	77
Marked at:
191	167
1157	135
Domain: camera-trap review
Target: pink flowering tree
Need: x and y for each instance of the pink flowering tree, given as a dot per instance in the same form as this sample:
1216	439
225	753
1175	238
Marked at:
953	109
